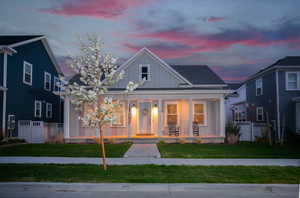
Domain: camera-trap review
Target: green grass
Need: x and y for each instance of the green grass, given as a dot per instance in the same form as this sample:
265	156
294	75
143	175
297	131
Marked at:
64	150
242	150
149	174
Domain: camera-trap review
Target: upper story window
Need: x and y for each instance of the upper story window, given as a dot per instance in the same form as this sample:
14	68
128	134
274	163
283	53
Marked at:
119	115
47	81
259	87
27	73
145	72
199	113
56	85
259	114
37	109
48	110
292	80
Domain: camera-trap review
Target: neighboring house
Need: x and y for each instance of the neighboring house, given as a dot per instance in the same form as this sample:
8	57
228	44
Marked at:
236	104
28	77
274	92
183	101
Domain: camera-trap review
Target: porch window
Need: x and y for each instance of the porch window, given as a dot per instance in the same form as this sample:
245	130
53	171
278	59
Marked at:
259	114
37	108
145	72
27	73
292	81
259	87
172	114
47	81
119	116
199	113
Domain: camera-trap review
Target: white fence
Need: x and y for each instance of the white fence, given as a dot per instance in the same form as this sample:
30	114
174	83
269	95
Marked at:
40	132
249	130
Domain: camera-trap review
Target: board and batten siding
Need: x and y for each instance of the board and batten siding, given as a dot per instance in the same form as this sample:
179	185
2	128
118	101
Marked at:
160	76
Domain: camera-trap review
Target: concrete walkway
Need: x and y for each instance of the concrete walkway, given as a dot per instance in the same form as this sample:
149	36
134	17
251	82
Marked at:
143	151
157	161
131	190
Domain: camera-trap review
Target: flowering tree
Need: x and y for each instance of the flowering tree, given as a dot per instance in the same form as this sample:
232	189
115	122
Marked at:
97	72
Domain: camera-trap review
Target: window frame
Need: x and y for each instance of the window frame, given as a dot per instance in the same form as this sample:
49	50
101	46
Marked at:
124	117
45	87
166	111
48	104
25	63
55	80
262	114
287	81
35	108
204	111
148	72
256	86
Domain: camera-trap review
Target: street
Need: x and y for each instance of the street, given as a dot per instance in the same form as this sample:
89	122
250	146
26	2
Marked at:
111	190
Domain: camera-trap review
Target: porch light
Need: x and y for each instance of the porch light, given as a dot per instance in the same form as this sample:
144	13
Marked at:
155	110
133	110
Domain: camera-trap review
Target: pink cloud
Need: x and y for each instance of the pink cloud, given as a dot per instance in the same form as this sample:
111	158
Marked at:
105	9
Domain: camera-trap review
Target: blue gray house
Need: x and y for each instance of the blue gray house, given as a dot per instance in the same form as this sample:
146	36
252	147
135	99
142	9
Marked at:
275	92
29	77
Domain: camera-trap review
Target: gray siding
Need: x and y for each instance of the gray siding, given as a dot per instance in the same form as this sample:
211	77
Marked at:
160	77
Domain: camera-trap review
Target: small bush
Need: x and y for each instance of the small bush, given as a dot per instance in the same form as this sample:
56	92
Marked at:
198	141
232	129
12	140
182	141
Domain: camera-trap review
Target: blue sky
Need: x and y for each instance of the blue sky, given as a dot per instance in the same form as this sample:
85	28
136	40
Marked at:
234	37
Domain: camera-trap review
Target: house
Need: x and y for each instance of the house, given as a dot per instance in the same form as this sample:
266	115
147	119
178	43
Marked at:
236	104
29	74
273	94
176	101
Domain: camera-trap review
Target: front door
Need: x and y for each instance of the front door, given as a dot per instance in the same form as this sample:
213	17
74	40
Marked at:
144	118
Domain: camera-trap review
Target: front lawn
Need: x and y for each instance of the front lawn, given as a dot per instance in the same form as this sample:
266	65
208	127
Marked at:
149	174
242	150
64	150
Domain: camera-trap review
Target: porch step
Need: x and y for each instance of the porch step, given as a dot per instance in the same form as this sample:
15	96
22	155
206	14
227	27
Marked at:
145	140
143	151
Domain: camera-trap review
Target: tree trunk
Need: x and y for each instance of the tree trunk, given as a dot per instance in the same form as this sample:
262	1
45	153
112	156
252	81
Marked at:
101	142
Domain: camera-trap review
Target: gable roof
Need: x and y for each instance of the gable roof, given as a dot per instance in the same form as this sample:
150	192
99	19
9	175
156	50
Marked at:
198	74
288	61
12	41
234	86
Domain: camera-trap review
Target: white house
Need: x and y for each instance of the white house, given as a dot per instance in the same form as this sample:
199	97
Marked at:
182	101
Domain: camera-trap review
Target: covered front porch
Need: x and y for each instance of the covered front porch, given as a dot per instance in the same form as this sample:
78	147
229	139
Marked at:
155	117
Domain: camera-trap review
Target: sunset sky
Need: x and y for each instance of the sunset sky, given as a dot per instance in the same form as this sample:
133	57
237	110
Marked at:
234	37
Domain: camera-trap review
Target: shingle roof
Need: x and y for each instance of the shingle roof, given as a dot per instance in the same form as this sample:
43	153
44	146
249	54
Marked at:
198	74
11	39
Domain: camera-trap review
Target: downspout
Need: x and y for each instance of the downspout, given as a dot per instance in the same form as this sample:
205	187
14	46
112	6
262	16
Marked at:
4	93
277	105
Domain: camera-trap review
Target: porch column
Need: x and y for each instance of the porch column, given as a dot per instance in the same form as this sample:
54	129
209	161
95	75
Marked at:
159	119
129	119
222	116
190	117
67	117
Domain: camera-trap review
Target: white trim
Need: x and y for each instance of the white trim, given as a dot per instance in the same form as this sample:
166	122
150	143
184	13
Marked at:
278	103
166	111
67	117
222	116
49	109
167	92
148	72
163	63
45	82
36	102
259	81
27	41
262	113
25	63
206	85
56	84
124	118
287	80
4	94
204	103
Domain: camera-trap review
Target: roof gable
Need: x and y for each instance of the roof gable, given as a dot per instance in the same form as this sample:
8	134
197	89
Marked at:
12	39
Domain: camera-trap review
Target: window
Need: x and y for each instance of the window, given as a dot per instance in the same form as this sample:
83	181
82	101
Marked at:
27	73
119	115
199	113
11	122
56	85
47	81
259	114
259	88
145	72
37	108
48	110
292	80
172	113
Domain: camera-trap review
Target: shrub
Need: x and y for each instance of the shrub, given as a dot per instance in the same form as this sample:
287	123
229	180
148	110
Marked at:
232	129
12	140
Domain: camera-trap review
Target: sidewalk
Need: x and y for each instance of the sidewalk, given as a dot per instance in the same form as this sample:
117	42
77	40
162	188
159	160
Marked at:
157	161
131	190
143	151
